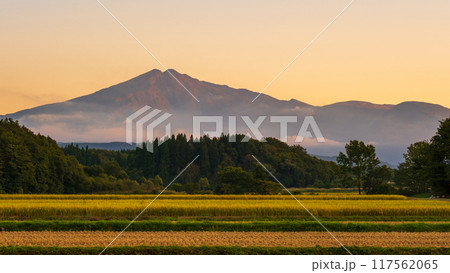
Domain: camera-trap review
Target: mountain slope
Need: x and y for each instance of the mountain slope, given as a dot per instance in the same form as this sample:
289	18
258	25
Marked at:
100	117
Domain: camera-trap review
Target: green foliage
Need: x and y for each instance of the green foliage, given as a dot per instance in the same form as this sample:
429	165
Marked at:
440	165
377	181
190	188
177	187
147	185
360	160
427	165
157	181
414	175
234	180
112	168
32	163
291	164
203	183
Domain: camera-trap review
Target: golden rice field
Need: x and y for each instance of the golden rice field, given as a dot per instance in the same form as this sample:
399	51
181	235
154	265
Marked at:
262	239
306	196
128	208
208	210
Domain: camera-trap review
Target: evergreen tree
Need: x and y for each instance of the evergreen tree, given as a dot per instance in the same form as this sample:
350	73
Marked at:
205	167
164	162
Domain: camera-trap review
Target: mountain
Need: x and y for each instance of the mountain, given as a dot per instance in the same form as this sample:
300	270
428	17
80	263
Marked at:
100	117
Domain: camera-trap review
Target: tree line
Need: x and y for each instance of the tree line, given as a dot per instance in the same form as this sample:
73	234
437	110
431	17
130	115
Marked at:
426	168
218	159
427	165
32	163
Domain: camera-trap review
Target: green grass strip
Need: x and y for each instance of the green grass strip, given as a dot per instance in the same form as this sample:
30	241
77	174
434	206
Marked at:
161	225
303	196
219	250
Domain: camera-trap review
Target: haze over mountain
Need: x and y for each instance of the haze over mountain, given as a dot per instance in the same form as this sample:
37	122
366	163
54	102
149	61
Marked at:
100	117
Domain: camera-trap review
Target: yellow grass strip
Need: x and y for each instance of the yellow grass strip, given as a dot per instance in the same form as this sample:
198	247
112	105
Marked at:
169	208
129	208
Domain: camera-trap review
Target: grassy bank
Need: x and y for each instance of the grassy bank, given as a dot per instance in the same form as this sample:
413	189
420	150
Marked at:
303	196
157	225
220	250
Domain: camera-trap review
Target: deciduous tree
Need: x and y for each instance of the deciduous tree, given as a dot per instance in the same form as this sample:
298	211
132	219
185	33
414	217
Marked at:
359	159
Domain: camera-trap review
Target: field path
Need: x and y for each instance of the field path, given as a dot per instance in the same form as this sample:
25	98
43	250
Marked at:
265	239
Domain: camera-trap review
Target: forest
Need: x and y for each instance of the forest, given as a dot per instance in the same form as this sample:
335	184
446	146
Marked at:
31	163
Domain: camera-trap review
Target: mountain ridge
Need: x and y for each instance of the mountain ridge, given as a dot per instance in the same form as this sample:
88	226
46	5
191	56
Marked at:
352	103
100	116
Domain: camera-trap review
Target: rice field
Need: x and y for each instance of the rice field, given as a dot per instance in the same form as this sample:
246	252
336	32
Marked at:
128	208
244	239
223	222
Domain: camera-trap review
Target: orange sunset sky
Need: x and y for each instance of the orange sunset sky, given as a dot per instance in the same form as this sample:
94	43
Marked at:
382	51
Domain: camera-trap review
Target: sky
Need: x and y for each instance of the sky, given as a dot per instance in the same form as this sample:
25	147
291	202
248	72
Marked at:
381	51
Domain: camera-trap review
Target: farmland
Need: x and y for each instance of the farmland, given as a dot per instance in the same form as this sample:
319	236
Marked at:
128	208
223	223
213	238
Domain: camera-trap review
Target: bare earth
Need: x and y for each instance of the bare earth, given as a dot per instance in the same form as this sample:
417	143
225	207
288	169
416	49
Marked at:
266	239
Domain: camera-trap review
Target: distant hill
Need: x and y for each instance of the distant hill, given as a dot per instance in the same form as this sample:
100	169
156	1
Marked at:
100	117
334	159
111	146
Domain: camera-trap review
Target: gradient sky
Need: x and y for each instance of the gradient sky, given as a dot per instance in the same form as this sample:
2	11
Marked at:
382	51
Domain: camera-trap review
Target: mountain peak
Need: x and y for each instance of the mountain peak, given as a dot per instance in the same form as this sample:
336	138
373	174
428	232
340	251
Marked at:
158	73
173	71
179	76
100	116
151	73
